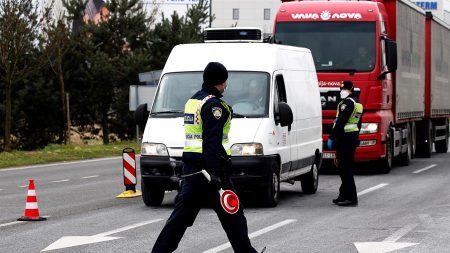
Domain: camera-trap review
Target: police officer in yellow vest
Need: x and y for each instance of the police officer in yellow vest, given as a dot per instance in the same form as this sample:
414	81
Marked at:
207	121
344	136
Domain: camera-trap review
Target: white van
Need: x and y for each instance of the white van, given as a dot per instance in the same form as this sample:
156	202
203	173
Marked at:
276	137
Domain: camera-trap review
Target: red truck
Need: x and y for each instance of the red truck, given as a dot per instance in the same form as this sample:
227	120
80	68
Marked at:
396	54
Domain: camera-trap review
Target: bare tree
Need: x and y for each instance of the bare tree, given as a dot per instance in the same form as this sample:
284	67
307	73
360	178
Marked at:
57	44
20	22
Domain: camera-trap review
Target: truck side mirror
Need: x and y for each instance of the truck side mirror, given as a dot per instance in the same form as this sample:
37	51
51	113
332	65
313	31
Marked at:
141	115
391	55
285	115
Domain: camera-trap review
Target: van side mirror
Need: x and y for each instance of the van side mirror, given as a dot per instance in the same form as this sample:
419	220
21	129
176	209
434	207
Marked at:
141	115
391	55
285	116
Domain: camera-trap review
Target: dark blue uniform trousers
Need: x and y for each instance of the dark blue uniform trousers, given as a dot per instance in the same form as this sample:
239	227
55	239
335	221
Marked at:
196	192
345	154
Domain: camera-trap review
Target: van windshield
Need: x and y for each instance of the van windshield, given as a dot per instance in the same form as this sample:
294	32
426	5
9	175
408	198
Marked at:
247	93
335	46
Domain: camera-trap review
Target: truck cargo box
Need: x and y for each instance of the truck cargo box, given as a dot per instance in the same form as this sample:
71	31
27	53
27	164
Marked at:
440	68
410	76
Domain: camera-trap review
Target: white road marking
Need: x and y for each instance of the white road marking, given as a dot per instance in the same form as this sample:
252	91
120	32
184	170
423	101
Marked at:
23	186
62	163
400	233
1	189
15	222
252	235
71	241
424	169
91	176
11	223
59	181
389	244
376	187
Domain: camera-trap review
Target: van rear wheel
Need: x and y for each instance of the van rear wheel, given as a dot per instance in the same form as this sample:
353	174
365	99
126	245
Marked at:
271	193
310	181
152	196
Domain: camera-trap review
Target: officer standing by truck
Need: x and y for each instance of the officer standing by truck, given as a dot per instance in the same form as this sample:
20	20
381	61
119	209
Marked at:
344	137
207	122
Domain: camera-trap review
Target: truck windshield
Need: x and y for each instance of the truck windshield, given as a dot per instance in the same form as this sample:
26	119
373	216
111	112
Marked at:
335	46
247	93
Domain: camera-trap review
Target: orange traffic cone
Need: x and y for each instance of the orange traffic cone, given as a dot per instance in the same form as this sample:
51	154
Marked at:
31	207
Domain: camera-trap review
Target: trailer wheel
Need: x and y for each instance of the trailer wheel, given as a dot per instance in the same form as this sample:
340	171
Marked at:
152	196
426	147
385	163
271	193
413	140
442	145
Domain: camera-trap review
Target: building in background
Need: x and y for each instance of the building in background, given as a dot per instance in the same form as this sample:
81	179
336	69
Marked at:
254	13
95	11
168	7
447	11
228	13
435	6
57	10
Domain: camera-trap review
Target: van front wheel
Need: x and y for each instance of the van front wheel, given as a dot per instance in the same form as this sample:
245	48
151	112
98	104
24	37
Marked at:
271	192
152	196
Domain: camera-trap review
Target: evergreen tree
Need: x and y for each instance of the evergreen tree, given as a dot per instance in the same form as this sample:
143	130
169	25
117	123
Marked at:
178	30
115	50
20	21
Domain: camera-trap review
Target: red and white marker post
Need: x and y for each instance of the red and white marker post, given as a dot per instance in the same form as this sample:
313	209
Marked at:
129	174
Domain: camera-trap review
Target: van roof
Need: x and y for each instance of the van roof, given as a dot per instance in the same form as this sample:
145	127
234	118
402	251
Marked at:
262	57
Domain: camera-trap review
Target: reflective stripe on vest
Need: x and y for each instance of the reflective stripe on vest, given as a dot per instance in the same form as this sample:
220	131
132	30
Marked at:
355	117
193	126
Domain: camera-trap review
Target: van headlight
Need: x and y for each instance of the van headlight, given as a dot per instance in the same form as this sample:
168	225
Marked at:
246	149
156	149
369	128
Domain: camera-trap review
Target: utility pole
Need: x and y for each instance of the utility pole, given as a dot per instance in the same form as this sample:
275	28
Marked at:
68	119
210	13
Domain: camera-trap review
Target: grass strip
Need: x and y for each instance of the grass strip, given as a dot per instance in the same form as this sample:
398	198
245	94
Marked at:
59	153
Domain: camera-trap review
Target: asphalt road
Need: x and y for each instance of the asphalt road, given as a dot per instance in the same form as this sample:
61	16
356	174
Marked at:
407	210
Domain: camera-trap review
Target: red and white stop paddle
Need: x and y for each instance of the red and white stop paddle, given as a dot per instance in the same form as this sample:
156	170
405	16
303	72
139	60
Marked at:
228	199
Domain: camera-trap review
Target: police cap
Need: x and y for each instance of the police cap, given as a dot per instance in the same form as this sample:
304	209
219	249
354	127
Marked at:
348	85
214	73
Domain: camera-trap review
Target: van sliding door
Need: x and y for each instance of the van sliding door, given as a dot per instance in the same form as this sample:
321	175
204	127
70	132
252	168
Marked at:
282	133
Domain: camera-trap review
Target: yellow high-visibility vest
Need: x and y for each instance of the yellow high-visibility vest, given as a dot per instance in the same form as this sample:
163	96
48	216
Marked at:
193	126
355	117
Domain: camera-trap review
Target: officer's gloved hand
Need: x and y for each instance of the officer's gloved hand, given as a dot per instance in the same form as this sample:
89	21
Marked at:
215	182
330	144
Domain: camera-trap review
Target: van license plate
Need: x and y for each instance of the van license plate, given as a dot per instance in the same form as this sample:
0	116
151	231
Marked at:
328	155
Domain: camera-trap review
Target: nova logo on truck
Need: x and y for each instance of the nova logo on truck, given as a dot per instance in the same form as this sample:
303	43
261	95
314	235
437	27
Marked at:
326	15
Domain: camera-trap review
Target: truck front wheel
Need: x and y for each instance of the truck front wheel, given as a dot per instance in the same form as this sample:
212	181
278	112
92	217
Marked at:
385	163
152	195
405	158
